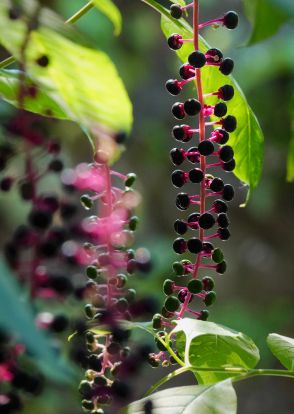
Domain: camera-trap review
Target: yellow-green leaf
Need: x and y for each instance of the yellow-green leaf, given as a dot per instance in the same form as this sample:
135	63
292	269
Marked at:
110	10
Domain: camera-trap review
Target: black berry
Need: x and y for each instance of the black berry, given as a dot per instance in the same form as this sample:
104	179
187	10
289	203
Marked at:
196	175
176	11
175	41
220	109
206	221
206	148
228	192
180	245
173	87
178	178
177	156
197	59
227	66
178	110
231	20
226	92
192	107
180	227
182	201
226	153
194	245
216	185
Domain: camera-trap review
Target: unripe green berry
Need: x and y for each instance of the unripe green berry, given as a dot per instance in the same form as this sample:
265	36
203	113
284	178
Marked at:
221	267
131	178
131	295
172	304
157	321
210	298
168	286
133	223
92	272
178	268
195	286
217	255
204	315
86	201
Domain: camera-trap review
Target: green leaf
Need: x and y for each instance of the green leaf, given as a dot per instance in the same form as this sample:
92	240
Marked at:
266	18
218	398
283	348
290	160
16	316
206	344
42	103
86	82
110	10
247	140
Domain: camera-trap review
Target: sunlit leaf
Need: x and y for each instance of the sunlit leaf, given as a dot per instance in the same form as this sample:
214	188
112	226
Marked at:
206	344
283	348
85	81
218	398
110	10
290	161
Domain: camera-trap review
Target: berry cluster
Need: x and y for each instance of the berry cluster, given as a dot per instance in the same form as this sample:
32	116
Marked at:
110	264
16	377
210	221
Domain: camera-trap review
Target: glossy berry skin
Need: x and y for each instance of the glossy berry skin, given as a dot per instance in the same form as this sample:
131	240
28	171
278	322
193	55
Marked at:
228	192
176	11
216	185
210	298
192	107
178	178
229	123
180	245
182	296
206	221
226	153
220	206
224	234
193	220
214	55
193	158
175	41
178	110
195	286
173	87
194	245
168	287
231	20
222	136
222	220
187	71
220	109
229	166
196	175
182	133
182	201
177	156
206	148
207	283
227	66
197	59
180	227
226	92
172	304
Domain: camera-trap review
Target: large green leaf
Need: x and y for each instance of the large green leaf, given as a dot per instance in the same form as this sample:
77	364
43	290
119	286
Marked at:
283	348
266	18
290	161
43	103
218	398
247	140
16	316
110	10
85	81
206	344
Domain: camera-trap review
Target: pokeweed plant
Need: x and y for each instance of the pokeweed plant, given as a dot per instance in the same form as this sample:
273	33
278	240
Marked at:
216	355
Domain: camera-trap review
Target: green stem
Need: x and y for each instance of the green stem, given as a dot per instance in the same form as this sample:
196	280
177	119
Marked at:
71	20
7	62
80	13
170	350
165	379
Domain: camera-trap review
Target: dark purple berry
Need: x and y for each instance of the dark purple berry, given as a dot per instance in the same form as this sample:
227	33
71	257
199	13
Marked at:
229	123
193	155
226	92
224	234
214	55
180	227
40	219
231	20
220	206
175	41
227	66
196	175
182	201
182	133
207	248
222	136
207	283
216	185
178	178
173	87
228	192
221	267
197	59
206	148
176	11
178	110
187	72
177	156
220	109
193	220
206	221
229	166
192	107
194	245
222	220
182	296
226	153
180	245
